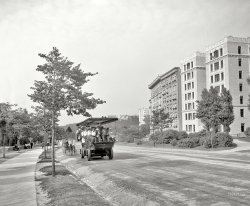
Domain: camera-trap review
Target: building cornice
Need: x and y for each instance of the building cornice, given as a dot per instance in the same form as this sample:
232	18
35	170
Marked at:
163	76
155	82
228	39
196	54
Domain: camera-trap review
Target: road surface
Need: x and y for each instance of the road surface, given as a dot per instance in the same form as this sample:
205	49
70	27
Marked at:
158	176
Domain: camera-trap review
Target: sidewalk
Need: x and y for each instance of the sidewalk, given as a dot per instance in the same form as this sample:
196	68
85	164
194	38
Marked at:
17	183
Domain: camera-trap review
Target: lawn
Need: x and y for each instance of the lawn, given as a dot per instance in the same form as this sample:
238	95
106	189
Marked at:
169	146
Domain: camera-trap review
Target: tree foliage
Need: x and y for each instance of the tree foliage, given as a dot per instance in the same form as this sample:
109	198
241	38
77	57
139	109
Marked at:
160	119
226	115
214	109
62	87
145	128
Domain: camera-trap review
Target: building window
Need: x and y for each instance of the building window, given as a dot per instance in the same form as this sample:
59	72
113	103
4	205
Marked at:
222	76
186	128
184	67
193	95
190	127
188	65
186	116
194	127
185	96
192	74
221	51
193	115
240	74
241	99
211	67
239	62
239	49
222	87
192	64
216	66
242	127
211	56
192	84
242	112
217	78
193	105
218	89
221	64
216	54
212	79
185	87
240	87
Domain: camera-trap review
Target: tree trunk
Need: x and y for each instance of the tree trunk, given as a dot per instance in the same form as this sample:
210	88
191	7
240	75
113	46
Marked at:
53	144
3	144
226	129
212	135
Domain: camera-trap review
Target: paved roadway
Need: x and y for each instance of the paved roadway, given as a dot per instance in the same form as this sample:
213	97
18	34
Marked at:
149	176
17	184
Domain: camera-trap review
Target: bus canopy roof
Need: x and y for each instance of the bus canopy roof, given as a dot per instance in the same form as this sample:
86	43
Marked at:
96	121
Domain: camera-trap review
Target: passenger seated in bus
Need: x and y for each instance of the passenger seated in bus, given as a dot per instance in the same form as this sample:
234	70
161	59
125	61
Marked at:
106	134
100	134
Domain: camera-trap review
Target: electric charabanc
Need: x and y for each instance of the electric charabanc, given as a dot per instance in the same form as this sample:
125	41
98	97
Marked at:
96	137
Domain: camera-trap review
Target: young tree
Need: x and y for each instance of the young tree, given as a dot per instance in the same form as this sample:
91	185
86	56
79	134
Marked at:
145	128
208	109
5	116
160	119
226	115
62	89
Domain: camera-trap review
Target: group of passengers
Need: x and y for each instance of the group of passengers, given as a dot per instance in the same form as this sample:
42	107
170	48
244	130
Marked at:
94	134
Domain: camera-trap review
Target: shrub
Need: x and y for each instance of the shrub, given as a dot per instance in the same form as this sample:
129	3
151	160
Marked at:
247	132
174	142
139	142
130	140
224	139
182	135
196	141
186	143
200	134
206	141
155	137
169	135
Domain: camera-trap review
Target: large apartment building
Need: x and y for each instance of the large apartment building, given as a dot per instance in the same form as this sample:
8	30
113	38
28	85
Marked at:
228	65
166	94
193	81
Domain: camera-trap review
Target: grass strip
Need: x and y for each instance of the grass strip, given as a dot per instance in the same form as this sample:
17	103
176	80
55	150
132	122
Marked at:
65	189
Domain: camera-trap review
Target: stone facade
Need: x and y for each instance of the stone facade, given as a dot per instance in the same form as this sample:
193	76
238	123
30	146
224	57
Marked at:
228	65
166	94
193	81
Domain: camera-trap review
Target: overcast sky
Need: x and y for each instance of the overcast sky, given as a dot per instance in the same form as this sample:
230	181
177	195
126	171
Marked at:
129	42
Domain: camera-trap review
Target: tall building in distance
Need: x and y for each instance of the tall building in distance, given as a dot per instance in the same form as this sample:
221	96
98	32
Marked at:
166	94
143	112
228	65
193	81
